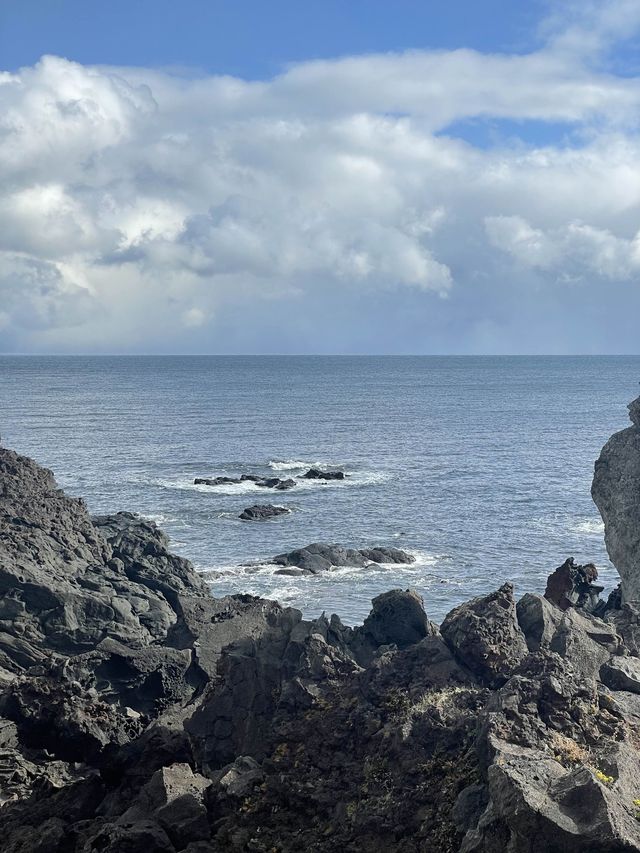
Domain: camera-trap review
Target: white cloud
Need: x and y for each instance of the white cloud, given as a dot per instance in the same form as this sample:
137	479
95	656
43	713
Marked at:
142	206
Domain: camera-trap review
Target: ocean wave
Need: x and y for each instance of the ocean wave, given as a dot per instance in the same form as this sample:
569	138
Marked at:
292	464
593	527
186	484
159	518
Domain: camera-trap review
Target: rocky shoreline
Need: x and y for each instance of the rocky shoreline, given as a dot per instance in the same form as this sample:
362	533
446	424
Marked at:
138	714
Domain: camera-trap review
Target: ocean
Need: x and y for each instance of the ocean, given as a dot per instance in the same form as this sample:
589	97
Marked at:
479	466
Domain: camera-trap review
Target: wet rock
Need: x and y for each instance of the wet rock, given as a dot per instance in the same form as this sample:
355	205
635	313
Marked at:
572	585
264	482
319	557
317	474
616	492
485	636
262	512
387	555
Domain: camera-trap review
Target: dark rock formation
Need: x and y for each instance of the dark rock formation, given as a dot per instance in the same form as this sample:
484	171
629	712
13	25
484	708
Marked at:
262	512
616	492
264	482
573	586
397	618
319	557
140	715
485	636
317	474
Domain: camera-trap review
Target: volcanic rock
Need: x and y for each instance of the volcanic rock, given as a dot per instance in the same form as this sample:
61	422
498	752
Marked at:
485	636
616	492
317	474
262	512
319	557
264	482
140	715
573	586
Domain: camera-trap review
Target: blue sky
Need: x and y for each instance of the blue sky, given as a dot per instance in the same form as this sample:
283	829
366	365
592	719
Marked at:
254	38
363	176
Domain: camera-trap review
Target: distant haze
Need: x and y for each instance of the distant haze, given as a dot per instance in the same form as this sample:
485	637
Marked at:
411	199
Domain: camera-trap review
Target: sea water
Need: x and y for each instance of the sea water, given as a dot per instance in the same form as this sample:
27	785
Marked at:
479	466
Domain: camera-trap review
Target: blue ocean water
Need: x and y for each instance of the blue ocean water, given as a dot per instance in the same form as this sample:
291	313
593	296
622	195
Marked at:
481	466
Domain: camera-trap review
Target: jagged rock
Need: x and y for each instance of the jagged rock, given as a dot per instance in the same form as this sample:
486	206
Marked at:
261	512
616	492
621	673
485	636
239	777
317	474
397	618
577	634
139	714
573	586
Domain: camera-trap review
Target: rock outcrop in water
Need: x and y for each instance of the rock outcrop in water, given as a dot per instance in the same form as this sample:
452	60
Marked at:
318	557
263	512
140	715
264	482
317	474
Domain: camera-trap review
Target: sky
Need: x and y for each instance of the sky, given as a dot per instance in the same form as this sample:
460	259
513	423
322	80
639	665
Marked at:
236	176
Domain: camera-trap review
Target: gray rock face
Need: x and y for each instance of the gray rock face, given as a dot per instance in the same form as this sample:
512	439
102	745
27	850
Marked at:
616	492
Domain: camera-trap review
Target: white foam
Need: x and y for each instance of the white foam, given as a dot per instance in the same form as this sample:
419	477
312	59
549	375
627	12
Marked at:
291	464
592	527
159	518
187	484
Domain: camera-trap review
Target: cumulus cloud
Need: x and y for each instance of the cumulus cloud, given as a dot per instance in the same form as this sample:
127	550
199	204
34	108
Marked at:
143	210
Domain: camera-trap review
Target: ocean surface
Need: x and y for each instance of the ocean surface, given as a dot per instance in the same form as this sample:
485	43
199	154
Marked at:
479	466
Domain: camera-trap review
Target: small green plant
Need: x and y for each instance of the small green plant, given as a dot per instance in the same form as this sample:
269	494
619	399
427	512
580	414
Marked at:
636	805
602	777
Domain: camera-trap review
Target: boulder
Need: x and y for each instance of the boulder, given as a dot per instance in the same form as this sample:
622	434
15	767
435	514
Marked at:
621	673
397	618
485	636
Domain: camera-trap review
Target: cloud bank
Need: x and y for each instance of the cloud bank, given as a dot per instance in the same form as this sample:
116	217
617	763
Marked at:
434	201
